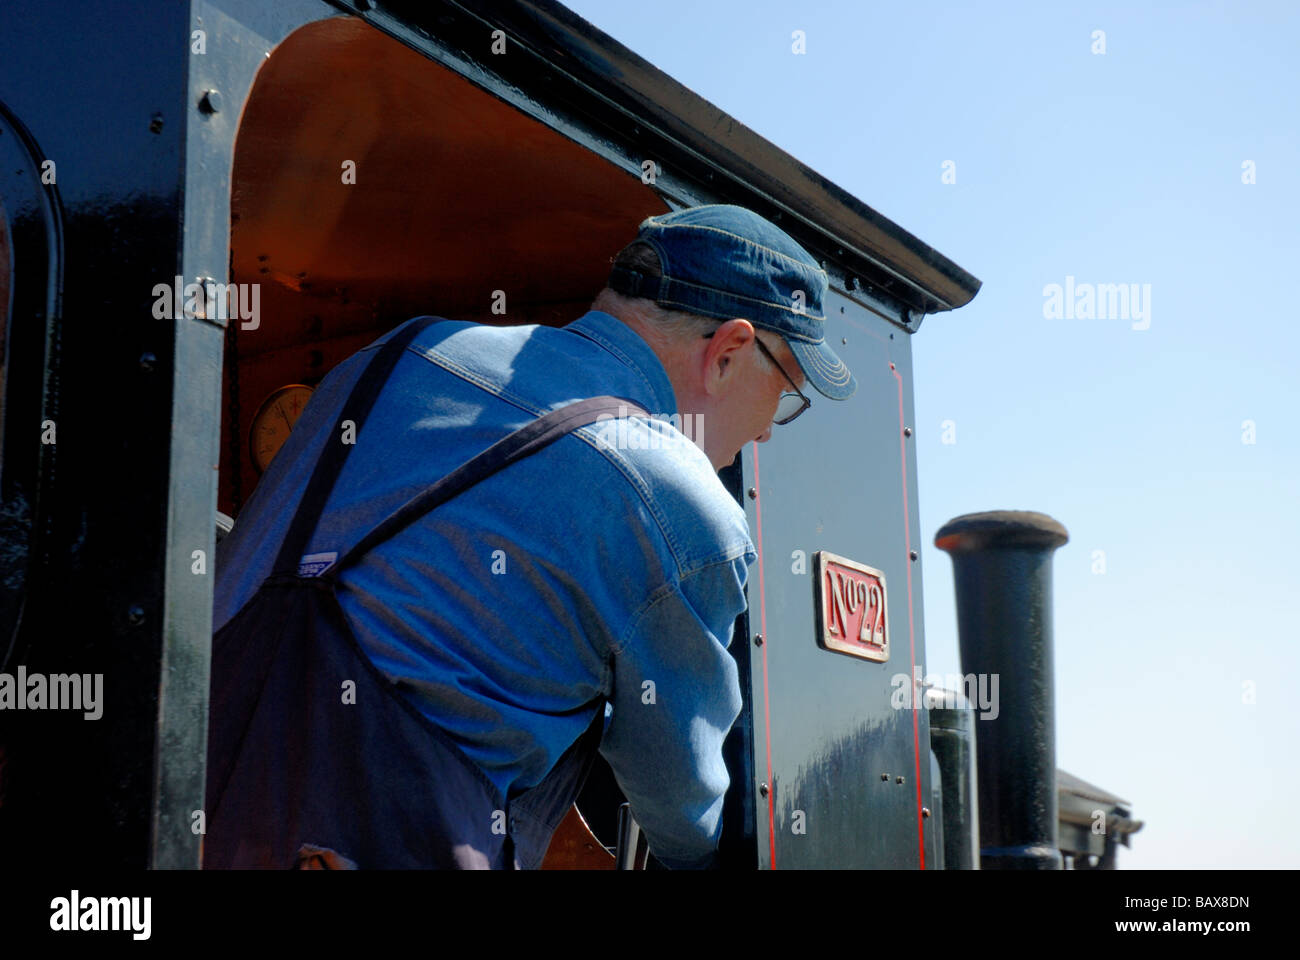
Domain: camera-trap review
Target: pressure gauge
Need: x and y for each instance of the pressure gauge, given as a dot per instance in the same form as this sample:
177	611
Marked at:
273	421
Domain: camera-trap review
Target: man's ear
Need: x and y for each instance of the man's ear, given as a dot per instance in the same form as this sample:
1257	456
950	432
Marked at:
722	351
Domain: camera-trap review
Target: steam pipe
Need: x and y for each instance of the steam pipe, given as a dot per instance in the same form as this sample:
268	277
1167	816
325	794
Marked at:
952	742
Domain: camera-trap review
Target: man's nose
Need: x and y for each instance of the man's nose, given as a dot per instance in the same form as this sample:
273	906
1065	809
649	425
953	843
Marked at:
765	436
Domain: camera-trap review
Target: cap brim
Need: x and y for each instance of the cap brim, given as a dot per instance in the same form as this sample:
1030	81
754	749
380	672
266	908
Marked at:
824	369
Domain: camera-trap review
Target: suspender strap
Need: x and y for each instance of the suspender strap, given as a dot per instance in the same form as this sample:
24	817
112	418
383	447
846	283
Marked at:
524	442
356	408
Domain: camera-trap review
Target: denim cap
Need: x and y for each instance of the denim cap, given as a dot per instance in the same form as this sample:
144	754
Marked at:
724	261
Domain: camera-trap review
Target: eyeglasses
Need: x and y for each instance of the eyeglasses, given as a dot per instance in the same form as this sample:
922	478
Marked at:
791	405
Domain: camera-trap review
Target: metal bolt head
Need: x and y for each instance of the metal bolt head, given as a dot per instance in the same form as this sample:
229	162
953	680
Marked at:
884	776
763	789
925	812
758	639
907	431
210	102
898	779
753	493
912	554
156	123
207	286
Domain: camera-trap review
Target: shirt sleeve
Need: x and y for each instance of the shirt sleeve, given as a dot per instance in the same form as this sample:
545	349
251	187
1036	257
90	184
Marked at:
676	694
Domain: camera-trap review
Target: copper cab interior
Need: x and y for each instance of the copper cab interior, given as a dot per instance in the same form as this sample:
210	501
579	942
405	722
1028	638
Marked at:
456	195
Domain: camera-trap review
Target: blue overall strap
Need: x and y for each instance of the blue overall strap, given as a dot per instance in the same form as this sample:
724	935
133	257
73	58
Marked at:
524	442
356	408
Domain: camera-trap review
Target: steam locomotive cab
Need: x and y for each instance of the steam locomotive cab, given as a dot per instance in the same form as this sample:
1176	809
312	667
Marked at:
270	188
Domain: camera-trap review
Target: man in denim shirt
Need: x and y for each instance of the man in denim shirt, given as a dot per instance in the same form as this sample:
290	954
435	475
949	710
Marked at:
610	566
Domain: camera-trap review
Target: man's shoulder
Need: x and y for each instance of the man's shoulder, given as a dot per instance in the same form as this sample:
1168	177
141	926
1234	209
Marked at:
701	521
529	365
536	368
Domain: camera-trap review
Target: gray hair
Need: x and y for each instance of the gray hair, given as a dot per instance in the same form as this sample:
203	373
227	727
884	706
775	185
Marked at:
670	324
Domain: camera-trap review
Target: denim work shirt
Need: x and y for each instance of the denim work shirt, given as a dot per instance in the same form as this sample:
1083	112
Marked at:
611	564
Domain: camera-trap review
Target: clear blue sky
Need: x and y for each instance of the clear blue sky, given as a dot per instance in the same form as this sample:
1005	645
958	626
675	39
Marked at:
1122	167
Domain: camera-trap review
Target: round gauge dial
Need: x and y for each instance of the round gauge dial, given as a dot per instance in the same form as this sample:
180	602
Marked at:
273	421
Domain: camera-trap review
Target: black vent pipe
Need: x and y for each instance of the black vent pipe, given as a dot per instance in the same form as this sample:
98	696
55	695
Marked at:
1002	571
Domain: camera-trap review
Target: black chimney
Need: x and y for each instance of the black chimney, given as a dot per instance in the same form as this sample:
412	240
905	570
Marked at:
1002	570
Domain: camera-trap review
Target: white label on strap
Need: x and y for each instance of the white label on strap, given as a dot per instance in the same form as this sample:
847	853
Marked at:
314	564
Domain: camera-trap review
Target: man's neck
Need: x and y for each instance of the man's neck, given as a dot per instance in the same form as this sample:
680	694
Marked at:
675	359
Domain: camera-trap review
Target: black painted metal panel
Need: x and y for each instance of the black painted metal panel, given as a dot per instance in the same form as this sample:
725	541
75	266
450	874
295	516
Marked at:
842	478
101	87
